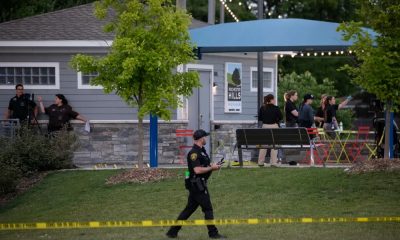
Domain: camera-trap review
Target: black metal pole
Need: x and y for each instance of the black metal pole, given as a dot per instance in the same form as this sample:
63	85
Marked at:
260	62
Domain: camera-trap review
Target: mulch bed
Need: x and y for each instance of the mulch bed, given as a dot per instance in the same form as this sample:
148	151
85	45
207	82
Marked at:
24	184
144	175
375	165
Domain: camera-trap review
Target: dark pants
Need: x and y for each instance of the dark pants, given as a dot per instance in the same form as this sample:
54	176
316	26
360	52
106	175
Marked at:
195	200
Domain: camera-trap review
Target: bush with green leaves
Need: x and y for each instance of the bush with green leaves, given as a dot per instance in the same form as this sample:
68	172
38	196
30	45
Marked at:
30	152
306	83
346	116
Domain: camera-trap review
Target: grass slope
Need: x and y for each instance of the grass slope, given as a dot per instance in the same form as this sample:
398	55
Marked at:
236	193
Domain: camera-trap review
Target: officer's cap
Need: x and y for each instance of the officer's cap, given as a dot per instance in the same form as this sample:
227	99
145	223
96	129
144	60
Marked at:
199	134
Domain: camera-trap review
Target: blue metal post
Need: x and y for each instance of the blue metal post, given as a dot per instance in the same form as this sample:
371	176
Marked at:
391	136
153	141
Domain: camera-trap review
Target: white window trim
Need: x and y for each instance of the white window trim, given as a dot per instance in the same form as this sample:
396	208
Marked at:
86	86
254	88
56	65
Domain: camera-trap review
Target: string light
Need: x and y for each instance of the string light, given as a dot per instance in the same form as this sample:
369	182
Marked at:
229	10
321	53
281	55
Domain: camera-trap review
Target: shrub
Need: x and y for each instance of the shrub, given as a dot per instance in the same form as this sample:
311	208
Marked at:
30	152
346	116
10	171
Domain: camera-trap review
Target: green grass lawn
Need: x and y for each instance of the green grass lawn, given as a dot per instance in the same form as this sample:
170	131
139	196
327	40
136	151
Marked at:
235	193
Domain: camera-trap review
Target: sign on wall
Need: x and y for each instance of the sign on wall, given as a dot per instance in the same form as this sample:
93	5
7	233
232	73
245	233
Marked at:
233	87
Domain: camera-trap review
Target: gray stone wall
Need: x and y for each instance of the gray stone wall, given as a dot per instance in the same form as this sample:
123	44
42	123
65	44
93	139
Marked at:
224	139
117	143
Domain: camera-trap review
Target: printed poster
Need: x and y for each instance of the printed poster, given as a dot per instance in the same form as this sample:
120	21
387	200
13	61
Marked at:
233	87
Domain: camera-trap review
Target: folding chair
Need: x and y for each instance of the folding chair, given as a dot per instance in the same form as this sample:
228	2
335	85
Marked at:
359	143
183	136
316	144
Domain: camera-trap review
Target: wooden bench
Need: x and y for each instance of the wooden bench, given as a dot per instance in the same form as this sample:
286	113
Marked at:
271	138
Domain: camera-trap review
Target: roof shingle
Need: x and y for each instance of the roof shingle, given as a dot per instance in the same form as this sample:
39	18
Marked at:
76	23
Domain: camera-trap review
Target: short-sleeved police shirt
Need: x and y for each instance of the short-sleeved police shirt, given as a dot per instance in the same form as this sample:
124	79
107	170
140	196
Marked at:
198	157
59	116
21	107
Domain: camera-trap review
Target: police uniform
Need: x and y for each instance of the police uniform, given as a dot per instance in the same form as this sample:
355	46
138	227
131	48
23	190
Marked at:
198	191
21	107
59	116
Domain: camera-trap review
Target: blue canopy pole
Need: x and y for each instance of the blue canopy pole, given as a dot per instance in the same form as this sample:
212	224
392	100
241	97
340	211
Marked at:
153	141
391	136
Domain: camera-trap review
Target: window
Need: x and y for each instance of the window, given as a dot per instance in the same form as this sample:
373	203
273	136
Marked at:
31	75
268	82
84	80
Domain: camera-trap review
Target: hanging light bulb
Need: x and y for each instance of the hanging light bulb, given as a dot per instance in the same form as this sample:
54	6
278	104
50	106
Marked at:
240	3
281	55
329	53
315	54
322	54
341	52
308	54
350	51
337	52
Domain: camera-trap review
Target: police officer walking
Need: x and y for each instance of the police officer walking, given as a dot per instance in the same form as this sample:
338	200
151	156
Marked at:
21	106
200	168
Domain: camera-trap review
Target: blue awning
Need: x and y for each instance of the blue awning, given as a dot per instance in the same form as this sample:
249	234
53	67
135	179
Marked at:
270	35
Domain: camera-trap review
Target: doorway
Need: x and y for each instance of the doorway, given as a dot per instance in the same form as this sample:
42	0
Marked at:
199	105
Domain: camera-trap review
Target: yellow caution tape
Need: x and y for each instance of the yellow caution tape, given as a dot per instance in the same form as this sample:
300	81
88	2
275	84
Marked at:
168	223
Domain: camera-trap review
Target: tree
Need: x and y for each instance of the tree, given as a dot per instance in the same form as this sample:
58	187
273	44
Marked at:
151	39
236	77
378	68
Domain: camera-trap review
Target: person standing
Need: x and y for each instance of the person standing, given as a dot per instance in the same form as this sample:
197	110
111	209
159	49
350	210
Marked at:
200	169
270	116
330	122
21	106
60	113
306	115
319	115
291	111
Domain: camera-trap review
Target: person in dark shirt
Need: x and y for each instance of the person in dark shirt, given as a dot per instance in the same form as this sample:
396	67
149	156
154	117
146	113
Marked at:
270	116
330	122
21	106
291	111
319	114
306	114
60	113
200	169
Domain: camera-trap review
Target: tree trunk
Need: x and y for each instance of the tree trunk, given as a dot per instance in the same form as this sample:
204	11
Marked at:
387	129
141	139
